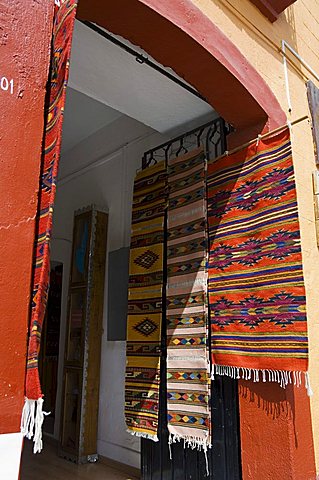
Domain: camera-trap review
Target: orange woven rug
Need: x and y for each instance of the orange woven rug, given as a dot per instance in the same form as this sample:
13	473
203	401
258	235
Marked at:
256	286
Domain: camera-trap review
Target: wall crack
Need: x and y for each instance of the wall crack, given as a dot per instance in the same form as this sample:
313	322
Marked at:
19	223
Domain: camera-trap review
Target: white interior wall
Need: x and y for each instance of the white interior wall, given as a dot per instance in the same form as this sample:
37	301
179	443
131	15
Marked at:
101	170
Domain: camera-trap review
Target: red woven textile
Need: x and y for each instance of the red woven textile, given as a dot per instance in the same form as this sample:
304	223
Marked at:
61	45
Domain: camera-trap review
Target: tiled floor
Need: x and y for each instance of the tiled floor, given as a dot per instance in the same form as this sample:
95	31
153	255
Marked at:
48	466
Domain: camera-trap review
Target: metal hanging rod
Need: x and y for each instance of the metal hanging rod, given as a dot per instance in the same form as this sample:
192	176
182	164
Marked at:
212	134
143	59
265	135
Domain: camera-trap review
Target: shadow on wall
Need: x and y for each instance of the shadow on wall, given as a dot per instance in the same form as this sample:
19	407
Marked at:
263	397
254	393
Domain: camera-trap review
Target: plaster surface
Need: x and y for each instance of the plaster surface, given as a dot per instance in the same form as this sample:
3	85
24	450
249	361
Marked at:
25	35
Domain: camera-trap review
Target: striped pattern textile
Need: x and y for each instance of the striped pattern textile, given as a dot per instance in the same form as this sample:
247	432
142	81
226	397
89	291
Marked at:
188	380
61	46
145	307
256	287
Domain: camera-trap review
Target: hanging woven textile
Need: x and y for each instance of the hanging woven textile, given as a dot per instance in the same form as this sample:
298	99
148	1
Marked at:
145	307
256	286
64	15
188	379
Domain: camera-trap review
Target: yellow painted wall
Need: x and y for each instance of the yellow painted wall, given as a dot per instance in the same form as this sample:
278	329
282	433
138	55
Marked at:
259	40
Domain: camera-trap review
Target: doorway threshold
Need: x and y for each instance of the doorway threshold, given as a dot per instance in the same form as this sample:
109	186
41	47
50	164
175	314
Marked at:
48	466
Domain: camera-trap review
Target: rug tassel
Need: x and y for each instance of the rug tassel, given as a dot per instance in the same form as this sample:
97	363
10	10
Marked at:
206	460
282	377
193	443
31	422
170	441
148	436
308	386
26	426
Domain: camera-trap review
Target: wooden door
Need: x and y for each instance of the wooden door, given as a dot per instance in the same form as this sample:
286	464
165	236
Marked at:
188	464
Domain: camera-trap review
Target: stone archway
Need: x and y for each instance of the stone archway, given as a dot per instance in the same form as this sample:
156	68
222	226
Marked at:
179	35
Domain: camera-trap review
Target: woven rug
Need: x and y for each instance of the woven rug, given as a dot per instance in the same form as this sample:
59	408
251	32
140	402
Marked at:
256	286
145	307
188	380
32	416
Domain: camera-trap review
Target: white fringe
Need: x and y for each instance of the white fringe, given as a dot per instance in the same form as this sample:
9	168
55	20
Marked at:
32	421
148	436
282	377
192	442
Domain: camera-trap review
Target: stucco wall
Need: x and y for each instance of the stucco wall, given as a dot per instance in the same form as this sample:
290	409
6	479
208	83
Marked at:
24	57
259	40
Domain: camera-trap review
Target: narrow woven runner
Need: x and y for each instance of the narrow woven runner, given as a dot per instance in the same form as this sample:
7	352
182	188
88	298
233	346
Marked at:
145	306
32	415
256	287
188	379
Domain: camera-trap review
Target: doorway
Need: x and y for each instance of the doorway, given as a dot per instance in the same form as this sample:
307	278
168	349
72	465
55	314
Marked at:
110	121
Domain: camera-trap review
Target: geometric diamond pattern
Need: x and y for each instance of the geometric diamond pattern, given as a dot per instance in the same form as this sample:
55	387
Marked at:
146	259
146	327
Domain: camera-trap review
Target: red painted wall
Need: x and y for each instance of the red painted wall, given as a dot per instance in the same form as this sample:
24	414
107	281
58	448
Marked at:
276	434
272	447
25	29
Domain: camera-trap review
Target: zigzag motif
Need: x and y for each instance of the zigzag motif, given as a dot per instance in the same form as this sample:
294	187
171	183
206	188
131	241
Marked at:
187	375
188	181
277	246
188	420
186	300
186	199
187	164
186	229
183	268
187	248
173	341
187	397
185	321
